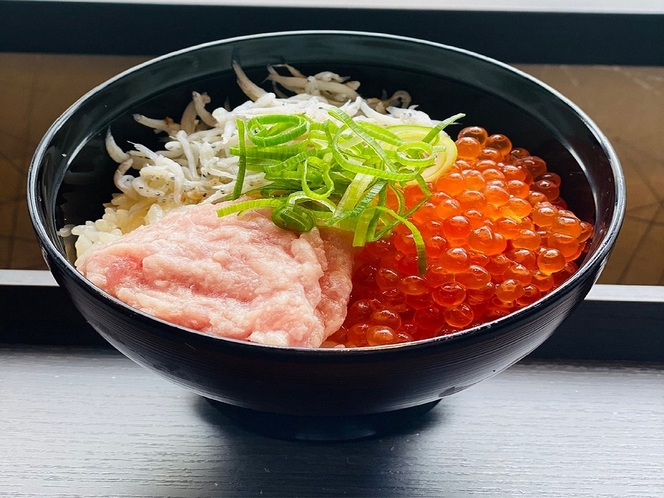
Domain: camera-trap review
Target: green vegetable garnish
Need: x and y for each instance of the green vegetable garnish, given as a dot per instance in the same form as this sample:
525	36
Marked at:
338	173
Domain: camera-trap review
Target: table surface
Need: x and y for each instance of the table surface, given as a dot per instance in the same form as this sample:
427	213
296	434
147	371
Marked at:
88	422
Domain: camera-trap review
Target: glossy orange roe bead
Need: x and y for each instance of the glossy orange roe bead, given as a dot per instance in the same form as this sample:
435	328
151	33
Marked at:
490	154
394	300
524	257
448	207
509	290
517	188
471	199
413	285
481	294
434	245
507	227
527	239
492	174
407	265
365	274
475	277
499	142
476	218
380	247
438	275
566	244
544	215
468	147
568	270
482	165
461	165
455	260
577	254
519	153
387	318
478	258
451	183
425	212
536	198
429	318
403	336
431	227
498	265
548	188
550	261
476	132
357	334
535	165
473	180
512	172
530	295
552	177
456	227
380	335
519	273
405	243
408	327
459	317
496	195
587	231
387	278
413	195
419	302
567	225
449	294
516	208
485	240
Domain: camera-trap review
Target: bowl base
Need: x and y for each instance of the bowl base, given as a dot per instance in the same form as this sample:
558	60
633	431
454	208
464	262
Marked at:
322	428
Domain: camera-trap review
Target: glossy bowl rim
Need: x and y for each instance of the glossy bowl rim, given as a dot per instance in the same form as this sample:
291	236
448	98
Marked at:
596	258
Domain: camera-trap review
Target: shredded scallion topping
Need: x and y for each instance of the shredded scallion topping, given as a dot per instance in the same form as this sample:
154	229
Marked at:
338	173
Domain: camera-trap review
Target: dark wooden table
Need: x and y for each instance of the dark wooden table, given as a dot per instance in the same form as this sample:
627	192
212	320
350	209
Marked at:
88	422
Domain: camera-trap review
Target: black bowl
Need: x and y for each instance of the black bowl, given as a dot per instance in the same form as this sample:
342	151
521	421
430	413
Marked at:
71	176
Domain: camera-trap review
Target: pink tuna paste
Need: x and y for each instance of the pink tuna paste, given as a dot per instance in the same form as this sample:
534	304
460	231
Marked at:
240	277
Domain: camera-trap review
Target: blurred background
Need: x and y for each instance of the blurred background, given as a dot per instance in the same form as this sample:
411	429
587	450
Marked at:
40	78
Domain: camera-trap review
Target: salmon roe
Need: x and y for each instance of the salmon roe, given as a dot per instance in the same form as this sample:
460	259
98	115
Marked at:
497	237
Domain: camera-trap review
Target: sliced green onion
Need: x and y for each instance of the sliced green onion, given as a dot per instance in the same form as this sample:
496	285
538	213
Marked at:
352	164
291	162
284	129
282	152
242	165
441	126
338	174
293	218
357	129
416	154
360	234
381	133
324	169
239	207
353	194
417	238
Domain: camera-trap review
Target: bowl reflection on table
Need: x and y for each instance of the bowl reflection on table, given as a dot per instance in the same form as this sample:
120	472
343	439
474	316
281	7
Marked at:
71	176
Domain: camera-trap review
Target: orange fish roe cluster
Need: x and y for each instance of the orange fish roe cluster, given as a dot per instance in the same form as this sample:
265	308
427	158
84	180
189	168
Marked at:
497	236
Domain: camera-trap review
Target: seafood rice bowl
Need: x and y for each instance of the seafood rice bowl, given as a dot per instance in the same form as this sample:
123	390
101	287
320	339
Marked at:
325	223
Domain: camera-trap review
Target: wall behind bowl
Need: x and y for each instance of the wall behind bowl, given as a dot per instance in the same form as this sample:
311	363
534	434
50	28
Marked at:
586	35
623	92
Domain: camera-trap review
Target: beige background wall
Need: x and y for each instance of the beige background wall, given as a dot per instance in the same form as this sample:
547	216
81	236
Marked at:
626	102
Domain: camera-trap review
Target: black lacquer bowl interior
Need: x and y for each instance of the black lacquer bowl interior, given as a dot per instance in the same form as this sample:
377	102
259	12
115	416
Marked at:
71	177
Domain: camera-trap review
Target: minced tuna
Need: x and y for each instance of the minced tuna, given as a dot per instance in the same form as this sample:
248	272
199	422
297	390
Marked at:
239	277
